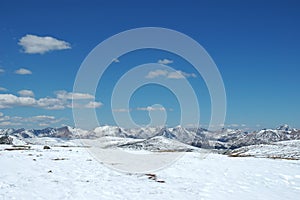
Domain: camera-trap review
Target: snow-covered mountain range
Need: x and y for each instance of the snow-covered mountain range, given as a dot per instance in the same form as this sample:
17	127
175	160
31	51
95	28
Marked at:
197	137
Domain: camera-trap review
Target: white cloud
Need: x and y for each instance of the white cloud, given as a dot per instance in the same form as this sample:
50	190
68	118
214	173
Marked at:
26	93
50	103
44	124
10	100
74	105
3	117
2	70
175	75
93	104
157	73
26	99
23	71
150	108
234	125
180	75
46	119
2	89
121	110
165	61
36	44
8	123
116	60
169	74
71	95
40	120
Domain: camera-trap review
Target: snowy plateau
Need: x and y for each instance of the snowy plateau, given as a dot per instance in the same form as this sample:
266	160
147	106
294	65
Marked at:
55	163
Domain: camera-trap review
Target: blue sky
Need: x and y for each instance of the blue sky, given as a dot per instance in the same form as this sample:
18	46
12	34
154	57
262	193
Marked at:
255	45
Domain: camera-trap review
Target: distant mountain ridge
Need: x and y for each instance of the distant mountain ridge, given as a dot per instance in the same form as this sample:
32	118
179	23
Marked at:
197	137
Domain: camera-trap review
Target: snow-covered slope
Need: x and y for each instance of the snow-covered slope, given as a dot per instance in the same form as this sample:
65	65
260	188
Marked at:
158	143
108	141
143	132
72	173
183	135
6	131
112	131
265	136
65	132
277	150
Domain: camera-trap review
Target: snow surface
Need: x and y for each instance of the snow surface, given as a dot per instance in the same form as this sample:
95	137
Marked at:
72	173
277	150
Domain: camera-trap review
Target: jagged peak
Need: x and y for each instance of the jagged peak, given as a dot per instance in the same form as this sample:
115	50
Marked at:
283	127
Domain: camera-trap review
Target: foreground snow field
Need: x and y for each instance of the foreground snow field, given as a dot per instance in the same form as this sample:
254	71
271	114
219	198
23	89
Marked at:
72	173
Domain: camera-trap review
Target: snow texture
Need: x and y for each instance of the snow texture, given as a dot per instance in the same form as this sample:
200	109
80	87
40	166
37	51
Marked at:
72	173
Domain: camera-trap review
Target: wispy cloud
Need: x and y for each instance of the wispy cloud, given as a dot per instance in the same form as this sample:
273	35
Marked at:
50	104
116	60
26	93
40	120
23	71
165	61
157	73
8	123
121	110
233	125
26	99
169	74
2	70
33	44
73	95
44	124
150	108
93	104
2	89
10	100
180	74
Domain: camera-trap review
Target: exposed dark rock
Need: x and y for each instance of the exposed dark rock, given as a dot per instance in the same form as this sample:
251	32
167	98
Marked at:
6	140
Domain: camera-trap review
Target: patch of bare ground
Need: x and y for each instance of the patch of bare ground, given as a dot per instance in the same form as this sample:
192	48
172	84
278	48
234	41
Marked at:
154	178
172	150
73	146
283	158
271	157
239	155
18	148
56	159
